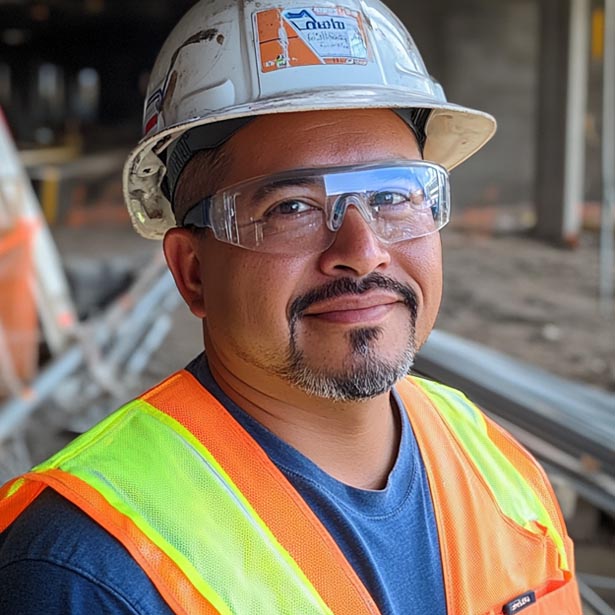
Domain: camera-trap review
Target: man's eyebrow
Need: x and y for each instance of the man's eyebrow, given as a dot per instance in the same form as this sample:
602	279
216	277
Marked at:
271	187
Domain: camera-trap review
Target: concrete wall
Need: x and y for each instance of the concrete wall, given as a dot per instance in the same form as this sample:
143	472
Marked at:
484	54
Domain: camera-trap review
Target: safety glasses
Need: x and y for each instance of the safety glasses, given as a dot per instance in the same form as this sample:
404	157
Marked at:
299	212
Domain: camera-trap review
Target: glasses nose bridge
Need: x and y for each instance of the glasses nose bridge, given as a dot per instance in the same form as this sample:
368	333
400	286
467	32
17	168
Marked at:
340	206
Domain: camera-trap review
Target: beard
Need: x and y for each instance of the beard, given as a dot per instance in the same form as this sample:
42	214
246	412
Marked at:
365	374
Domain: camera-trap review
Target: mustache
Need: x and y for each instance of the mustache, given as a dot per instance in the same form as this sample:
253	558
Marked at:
350	286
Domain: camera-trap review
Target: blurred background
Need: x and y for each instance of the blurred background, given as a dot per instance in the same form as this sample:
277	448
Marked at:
88	316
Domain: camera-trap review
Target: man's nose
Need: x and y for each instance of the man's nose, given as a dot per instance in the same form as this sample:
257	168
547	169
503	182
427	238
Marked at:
356	248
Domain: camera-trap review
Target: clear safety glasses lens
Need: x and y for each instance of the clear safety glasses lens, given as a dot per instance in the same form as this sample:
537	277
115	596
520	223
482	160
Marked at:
301	211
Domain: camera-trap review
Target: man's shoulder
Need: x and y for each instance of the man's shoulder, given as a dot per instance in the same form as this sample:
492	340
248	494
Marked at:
53	537
474	428
51	526
451	403
486	443
454	405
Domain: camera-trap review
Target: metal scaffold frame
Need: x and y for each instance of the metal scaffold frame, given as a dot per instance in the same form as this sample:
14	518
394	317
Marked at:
102	358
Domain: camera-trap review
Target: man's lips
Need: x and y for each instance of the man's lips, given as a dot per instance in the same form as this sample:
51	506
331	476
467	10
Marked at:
348	300
354	308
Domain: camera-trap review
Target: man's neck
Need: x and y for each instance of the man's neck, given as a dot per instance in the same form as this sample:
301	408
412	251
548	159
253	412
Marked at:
355	442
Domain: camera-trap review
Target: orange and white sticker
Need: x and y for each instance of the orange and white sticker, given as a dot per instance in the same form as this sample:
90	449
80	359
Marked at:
288	38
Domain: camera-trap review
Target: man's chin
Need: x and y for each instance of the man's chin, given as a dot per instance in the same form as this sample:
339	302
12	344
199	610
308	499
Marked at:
360	379
360	353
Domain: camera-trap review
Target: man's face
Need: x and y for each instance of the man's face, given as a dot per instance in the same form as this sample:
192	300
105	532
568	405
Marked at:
343	323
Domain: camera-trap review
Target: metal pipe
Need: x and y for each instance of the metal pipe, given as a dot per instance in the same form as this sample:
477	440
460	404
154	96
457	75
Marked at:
152	341
566	424
525	394
17	409
138	306
598	581
133	327
591	598
607	224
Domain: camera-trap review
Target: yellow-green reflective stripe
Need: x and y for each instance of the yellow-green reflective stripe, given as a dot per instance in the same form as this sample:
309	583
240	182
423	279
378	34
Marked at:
157	473
14	488
513	493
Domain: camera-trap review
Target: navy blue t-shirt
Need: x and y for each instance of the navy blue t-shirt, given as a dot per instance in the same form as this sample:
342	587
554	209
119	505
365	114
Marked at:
54	559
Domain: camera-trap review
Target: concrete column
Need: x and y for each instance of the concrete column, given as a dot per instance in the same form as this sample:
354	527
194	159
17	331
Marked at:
562	102
607	242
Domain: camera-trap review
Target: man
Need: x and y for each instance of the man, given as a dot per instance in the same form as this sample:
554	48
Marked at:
297	176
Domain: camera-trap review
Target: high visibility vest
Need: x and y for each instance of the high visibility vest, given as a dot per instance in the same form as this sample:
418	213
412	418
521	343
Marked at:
219	529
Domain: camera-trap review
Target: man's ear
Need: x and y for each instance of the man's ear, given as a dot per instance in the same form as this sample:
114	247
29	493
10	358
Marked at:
181	250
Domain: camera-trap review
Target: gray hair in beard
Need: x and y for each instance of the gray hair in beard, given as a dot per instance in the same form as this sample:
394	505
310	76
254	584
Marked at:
365	375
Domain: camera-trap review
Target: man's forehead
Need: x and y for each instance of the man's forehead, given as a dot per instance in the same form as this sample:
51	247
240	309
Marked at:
333	120
274	143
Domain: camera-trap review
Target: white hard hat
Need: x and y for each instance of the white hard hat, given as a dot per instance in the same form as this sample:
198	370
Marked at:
227	60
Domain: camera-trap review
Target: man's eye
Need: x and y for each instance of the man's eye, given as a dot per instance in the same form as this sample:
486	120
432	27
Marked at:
387	199
289	207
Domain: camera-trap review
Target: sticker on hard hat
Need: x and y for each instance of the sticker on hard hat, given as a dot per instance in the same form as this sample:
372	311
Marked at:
152	109
310	36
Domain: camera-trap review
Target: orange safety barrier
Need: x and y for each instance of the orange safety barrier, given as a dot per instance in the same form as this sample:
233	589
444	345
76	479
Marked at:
18	314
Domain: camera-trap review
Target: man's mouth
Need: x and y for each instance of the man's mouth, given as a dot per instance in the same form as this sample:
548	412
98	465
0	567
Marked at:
350	300
365	309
